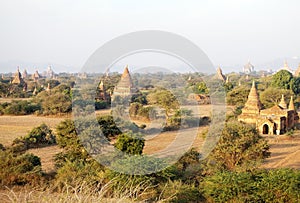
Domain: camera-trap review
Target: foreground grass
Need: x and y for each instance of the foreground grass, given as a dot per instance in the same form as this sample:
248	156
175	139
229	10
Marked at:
81	193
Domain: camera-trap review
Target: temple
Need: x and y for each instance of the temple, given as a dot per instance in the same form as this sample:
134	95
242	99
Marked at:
272	121
220	74
286	67
125	86
17	78
102	94
248	68
36	76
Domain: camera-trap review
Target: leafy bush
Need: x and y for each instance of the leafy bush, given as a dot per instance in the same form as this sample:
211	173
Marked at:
19	169
280	185
130	143
20	108
39	136
240	148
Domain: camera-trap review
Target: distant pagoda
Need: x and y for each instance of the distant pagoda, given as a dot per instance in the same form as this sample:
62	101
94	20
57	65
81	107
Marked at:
17	78
220	74
36	76
286	67
24	74
125	86
248	68
102	95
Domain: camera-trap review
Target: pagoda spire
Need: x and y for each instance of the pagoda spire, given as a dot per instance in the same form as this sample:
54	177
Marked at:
253	101
125	73
282	103
291	104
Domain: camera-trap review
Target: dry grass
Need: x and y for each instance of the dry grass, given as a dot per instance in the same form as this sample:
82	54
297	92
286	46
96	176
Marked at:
47	156
81	193
12	127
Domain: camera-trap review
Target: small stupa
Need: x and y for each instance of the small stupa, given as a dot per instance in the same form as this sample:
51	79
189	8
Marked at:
282	103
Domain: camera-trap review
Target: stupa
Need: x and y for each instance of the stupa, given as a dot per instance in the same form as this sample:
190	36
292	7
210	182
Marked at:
125	86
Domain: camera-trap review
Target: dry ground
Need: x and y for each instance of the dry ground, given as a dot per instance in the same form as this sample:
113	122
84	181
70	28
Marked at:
12	127
285	152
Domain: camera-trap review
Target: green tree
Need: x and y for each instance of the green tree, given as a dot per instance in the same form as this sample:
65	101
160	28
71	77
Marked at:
282	79
238	96
165	99
240	148
272	96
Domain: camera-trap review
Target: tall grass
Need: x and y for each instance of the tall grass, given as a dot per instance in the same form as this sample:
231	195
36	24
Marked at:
80	193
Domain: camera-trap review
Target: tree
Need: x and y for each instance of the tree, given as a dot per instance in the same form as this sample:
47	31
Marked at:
282	80
296	85
240	148
38	136
165	99
272	96
238	96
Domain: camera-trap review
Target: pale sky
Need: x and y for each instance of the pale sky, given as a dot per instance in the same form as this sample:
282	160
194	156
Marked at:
230	32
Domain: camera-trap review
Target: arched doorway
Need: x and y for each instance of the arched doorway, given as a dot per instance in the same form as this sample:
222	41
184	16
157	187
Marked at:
265	129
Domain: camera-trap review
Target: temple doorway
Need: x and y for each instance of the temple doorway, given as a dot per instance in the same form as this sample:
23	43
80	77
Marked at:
265	129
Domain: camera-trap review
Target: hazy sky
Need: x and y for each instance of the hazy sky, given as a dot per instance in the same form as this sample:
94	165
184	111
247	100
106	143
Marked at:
229	31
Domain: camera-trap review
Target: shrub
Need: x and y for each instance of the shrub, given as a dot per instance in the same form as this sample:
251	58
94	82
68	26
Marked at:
280	185
240	148
19	169
39	136
20	108
130	143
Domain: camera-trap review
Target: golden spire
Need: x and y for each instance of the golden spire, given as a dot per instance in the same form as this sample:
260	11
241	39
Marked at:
282	103
291	104
253	101
125	73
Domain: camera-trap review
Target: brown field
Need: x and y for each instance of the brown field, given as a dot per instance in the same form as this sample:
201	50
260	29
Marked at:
12	127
